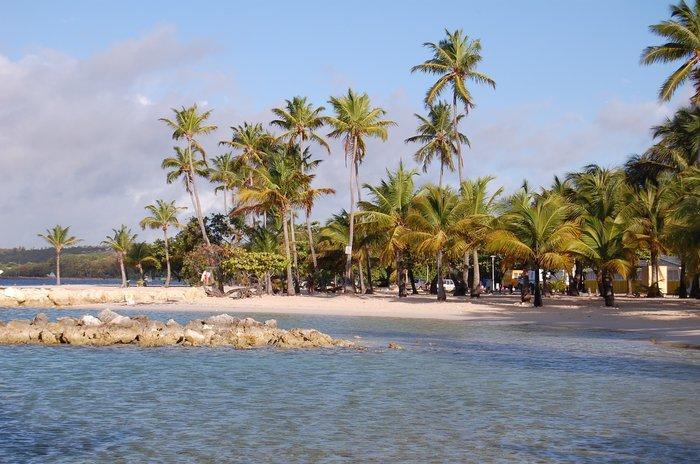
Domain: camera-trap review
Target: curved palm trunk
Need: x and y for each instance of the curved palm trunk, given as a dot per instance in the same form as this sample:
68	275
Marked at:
294	250
197	204
122	269
441	296
538	290
314	261
167	257
476	275
58	267
140	268
348	284
457	142
412	280
465	269
290	282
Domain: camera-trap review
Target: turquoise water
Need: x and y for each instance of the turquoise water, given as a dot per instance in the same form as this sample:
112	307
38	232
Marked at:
459	392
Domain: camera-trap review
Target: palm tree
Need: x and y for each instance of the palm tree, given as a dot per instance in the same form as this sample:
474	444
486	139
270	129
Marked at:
190	124
476	209
276	188
603	243
355	119
386	215
59	238
438	138
224	171
538	232
162	215
649	218
300	120
121	242
432	224
682	33
141	255
454	60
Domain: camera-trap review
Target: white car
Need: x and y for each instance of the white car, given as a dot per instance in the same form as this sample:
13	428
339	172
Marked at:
448	285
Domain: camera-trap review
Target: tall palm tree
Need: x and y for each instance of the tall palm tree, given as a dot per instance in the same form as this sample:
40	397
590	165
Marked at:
300	121
140	255
224	171
355	120
476	209
162	215
121	242
276	188
649	218
432	224
682	33
454	60
438	138
538	232
59	238
190	123
386	215
603	243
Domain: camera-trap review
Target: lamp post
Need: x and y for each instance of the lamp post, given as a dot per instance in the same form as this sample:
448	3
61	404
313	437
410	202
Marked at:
493	273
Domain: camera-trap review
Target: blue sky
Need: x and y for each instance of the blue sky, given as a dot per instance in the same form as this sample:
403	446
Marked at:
570	90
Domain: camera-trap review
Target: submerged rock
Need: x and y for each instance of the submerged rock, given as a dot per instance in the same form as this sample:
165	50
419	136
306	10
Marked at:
111	328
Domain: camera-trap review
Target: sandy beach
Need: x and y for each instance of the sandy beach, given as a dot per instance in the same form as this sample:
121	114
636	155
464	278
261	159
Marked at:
669	321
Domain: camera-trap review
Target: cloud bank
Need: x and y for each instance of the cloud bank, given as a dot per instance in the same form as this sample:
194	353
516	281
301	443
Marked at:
81	144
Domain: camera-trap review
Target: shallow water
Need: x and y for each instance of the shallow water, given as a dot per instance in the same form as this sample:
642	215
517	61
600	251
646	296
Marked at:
459	392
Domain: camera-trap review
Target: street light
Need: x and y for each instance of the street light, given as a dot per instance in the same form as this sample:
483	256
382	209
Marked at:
493	273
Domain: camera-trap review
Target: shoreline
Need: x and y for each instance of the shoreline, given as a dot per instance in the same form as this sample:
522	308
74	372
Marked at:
666	321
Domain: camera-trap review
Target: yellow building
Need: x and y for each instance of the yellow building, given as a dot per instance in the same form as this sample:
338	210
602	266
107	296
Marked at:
669	277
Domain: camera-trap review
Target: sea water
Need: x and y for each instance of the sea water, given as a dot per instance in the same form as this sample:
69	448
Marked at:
458	392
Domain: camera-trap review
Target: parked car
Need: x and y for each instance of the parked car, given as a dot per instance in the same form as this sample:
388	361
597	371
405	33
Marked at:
448	285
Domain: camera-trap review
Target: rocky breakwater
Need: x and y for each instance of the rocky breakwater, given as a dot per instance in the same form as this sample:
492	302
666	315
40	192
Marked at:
38	297
110	328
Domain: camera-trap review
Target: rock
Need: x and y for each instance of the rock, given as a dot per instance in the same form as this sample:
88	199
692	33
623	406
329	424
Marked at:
106	315
219	331
122	321
15	294
395	346
89	321
193	337
222	319
48	338
69	321
141	319
40	319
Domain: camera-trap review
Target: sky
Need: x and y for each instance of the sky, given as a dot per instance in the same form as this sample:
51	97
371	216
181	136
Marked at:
83	83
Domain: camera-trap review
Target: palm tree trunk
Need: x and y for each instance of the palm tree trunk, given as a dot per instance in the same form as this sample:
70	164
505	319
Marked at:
268	283
167	257
294	250
365	250
695	287
442	172
312	247
225	204
682	287
348	284
630	286
290	283
197	204
476	275
140	268
411	279
400	281
538	291
465	271
363	289
441	296
123	270
608	292
458	144
525	289
58	267
654	290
